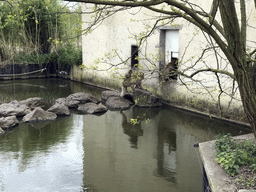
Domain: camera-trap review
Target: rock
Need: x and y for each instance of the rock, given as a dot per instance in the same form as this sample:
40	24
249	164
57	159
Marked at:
59	109
13	108
80	98
38	114
1	131
118	103
92	108
33	102
61	101
21	108
144	98
7	122
107	94
72	103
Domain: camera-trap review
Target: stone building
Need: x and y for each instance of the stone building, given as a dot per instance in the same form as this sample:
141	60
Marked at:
116	44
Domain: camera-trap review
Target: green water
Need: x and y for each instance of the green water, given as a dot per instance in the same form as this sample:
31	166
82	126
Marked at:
103	153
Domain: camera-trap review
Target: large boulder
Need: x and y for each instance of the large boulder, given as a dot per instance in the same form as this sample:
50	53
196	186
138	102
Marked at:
7	122
80	98
13	108
61	101
92	108
72	103
118	103
107	94
33	102
59	109
144	98
38	114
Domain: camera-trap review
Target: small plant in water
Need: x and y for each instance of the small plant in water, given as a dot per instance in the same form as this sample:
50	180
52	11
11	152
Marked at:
135	121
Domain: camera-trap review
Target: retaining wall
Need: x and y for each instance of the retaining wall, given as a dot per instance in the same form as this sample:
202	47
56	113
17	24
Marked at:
22	71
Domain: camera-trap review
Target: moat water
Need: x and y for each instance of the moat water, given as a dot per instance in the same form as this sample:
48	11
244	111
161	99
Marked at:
103	153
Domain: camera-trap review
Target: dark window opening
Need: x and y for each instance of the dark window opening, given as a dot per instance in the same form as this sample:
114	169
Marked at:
134	56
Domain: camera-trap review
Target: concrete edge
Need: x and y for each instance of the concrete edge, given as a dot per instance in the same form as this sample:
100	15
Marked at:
218	179
211	116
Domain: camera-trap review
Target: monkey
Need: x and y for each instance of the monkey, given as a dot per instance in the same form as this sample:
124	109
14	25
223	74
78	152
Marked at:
132	80
126	82
169	71
138	77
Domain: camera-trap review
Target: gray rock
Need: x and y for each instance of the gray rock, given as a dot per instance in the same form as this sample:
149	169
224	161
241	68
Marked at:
13	108
1	131
80	98
71	102
61	101
38	114
118	103
59	109
107	94
33	102
92	108
7	122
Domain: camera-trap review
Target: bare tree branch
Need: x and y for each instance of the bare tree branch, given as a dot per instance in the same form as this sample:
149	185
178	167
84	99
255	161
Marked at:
207	70
122	3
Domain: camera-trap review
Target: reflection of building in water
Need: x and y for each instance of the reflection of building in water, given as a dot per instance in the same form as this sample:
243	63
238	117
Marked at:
166	154
133	131
165	159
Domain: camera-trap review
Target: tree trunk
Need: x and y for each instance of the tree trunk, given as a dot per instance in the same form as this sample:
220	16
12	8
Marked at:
248	94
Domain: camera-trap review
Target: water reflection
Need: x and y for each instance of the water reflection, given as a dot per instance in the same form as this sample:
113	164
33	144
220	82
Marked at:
166	154
138	115
105	153
48	158
133	130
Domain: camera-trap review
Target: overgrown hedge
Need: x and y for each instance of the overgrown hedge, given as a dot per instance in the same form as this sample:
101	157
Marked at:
64	57
231	155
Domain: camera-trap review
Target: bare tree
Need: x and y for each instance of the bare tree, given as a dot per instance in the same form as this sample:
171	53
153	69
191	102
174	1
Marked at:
225	25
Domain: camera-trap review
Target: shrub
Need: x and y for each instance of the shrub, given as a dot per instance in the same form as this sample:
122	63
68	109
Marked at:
64	57
69	55
231	155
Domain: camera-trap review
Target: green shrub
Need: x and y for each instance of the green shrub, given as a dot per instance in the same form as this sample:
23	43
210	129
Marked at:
64	57
231	155
31	58
69	55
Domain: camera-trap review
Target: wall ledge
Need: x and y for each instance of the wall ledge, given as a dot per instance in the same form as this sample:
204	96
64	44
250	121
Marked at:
218	179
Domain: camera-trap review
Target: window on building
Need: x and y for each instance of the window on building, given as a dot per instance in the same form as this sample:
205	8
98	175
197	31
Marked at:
169	50
134	56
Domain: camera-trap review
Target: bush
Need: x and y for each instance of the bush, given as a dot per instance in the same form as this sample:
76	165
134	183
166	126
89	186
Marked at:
31	58
69	55
231	155
64	57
